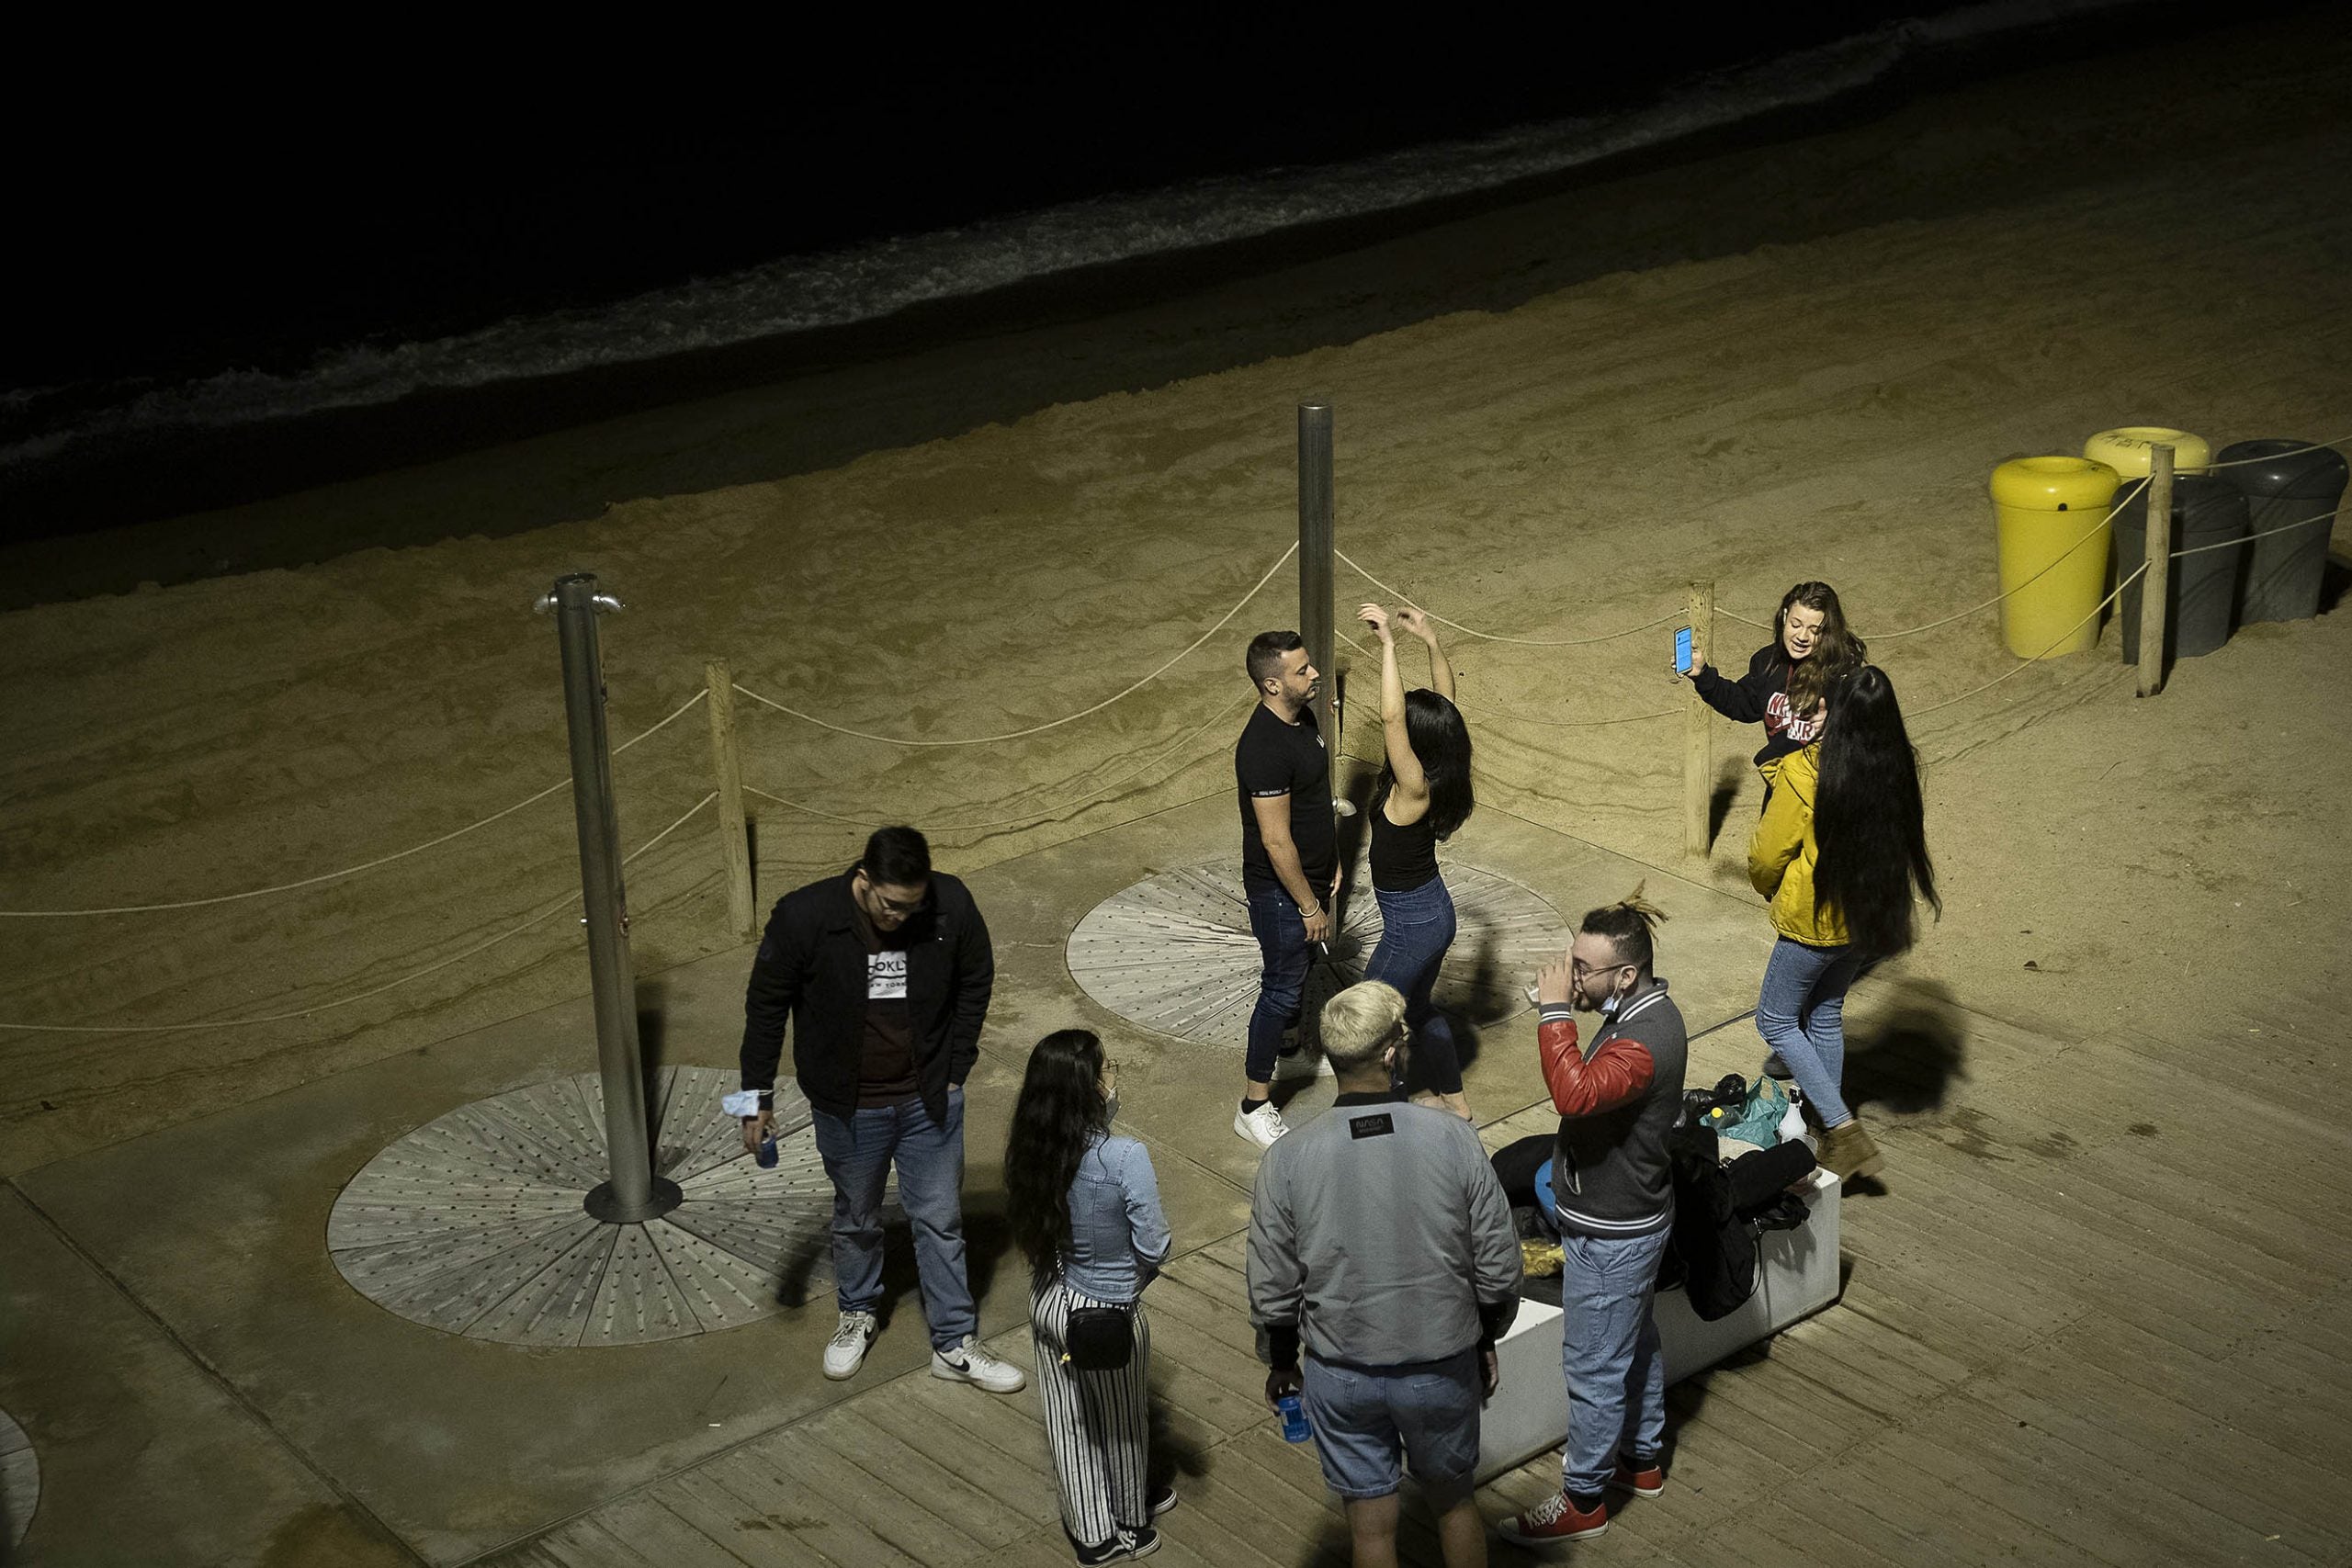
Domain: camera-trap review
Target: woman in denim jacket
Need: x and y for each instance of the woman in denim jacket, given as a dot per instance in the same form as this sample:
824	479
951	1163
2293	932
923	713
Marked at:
1084	1207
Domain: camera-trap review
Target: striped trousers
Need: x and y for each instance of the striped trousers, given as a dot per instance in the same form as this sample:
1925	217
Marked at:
1097	1424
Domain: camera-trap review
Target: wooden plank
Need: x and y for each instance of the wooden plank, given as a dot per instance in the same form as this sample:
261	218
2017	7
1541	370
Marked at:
1272	1525
2119	1279
807	1511
911	1472
915	1523
1048	1550
2162	1445
2076	1508
1215	1275
1895	1487
2140	1523
1206	1378
761	1539
1829	1517
661	1535
1915	1264
1008	1422
584	1543
1016	1487
1832	1350
1772	1389
1175	1297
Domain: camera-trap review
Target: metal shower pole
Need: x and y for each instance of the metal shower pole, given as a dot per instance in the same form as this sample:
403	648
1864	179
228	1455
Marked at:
1315	544
634	1192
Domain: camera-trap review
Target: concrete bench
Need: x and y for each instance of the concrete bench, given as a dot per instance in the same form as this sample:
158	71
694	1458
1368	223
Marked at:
1528	1414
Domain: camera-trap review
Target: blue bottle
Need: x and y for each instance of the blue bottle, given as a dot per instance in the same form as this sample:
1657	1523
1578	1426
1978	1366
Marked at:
1295	1426
767	1155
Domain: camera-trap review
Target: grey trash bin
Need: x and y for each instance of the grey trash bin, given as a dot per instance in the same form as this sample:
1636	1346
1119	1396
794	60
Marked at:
2285	482
2206	510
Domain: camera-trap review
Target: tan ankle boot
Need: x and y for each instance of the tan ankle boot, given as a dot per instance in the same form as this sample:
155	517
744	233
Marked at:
1847	1151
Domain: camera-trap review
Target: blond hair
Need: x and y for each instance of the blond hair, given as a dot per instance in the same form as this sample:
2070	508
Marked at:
1359	1022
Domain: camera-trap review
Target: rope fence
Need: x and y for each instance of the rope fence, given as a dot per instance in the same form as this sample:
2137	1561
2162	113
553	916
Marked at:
866	823
558	907
720	690
501	815
1053	724
1401	597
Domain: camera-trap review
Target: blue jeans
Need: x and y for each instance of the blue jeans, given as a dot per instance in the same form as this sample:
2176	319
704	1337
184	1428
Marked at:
1416	927
1801	1012
1609	1350
1363	1420
858	1151
1282	984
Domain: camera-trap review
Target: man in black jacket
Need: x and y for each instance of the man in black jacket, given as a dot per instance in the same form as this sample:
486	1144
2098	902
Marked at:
883	972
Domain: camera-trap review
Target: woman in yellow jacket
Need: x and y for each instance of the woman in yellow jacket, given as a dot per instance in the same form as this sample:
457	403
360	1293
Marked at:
1839	849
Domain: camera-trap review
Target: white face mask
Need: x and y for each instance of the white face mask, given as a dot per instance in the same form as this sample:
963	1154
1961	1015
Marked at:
1111	1106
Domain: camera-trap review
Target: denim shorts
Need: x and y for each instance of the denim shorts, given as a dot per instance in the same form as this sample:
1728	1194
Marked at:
1363	1420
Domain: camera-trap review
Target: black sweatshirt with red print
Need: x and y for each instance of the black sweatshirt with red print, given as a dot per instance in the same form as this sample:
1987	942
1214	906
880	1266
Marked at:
1762	696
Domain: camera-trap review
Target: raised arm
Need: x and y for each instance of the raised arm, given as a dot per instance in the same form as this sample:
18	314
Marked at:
1411	782
1441	668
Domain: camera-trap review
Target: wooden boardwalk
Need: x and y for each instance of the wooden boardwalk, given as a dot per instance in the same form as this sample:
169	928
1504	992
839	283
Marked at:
2101	1312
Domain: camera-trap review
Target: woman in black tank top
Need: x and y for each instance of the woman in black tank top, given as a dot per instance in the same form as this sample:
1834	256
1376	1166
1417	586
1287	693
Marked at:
1423	796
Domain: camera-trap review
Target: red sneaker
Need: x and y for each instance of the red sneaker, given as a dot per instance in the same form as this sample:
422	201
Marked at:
1557	1517
1641	1481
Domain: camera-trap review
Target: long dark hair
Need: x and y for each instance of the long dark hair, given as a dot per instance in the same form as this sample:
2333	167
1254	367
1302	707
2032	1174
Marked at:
1868	820
1061	1109
1442	741
1837	651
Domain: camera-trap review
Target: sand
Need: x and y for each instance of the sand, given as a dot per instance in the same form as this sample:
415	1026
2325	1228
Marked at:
1773	363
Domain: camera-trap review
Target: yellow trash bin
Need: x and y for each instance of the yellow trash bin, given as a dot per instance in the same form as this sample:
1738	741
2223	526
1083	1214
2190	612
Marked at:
2125	449
2052	517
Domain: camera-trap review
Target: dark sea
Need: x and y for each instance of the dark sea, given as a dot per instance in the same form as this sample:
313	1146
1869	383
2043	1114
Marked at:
239	273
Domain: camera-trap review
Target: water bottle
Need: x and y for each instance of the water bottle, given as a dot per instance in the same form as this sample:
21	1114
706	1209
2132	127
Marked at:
766	1152
1791	1122
1295	1426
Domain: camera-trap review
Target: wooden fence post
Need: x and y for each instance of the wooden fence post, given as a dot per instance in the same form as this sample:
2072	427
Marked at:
1698	761
734	838
2155	588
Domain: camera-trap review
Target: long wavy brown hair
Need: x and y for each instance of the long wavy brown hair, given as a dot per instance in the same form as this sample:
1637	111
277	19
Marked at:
1839	652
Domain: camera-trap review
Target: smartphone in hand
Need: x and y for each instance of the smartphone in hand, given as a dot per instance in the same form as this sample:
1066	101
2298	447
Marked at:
1682	650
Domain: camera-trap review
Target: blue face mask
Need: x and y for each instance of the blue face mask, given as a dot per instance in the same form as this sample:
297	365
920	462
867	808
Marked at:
1111	1106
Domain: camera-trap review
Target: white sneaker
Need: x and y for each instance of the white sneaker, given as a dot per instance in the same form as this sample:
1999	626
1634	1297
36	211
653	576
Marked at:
845	1352
1260	1126
969	1363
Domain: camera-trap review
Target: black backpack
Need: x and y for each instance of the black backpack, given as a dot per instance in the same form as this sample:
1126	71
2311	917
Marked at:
1721	1211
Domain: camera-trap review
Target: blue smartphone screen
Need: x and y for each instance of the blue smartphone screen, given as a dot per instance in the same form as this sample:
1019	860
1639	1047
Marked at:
1682	648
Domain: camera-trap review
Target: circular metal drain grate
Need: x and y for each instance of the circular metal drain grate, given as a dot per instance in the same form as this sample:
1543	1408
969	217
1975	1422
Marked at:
19	1480
473	1224
1174	954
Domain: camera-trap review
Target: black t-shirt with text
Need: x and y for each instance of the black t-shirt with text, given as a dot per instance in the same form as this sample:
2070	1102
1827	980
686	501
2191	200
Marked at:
887	1074
1276	759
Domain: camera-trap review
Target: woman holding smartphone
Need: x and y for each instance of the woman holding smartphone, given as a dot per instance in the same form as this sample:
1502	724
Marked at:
1787	678
1083	1204
1839	851
1423	796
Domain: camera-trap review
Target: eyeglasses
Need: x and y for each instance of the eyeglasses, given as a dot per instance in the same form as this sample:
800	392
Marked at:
901	907
1578	970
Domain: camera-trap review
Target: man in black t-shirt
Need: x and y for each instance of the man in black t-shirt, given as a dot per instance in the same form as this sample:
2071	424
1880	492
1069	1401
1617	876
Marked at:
1289	856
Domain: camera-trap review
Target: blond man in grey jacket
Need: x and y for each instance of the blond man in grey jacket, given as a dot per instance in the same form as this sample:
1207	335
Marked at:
1382	1245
